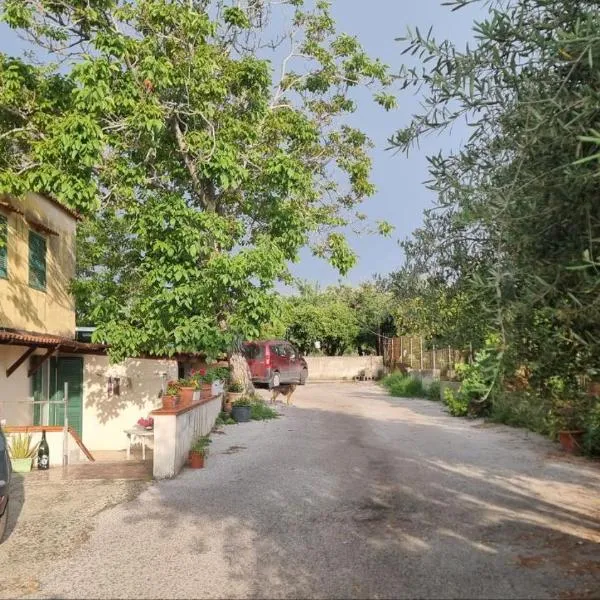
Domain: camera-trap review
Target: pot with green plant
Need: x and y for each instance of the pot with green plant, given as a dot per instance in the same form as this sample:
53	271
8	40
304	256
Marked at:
21	453
170	400
187	388
199	452
241	409
235	390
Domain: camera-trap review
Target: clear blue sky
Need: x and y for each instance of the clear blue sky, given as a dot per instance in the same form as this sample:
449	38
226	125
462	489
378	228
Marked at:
401	195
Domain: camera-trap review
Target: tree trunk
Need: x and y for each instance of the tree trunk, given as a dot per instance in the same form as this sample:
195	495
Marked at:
240	371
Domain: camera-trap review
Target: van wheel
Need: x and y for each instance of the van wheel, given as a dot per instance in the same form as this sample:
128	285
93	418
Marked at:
275	381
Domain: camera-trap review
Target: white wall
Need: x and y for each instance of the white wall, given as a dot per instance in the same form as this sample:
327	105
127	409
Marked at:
105	417
342	367
16	387
174	435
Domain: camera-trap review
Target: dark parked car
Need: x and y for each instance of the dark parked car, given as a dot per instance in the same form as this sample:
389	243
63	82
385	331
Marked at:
275	362
4	483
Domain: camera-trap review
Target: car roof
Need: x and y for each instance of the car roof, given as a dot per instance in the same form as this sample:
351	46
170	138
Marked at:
264	342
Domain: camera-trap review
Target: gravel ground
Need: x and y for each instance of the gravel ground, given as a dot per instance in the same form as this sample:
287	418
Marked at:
48	520
351	494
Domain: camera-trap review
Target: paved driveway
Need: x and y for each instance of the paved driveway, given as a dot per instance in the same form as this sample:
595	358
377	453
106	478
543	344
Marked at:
353	494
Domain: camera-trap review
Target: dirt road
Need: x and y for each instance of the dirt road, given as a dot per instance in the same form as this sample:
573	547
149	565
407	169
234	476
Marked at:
352	494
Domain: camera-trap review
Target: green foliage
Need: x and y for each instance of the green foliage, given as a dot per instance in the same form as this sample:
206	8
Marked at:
259	411
457	403
20	446
511	246
224	419
201	169
243	401
434	391
342	318
201	445
591	440
521	409
404	386
235	386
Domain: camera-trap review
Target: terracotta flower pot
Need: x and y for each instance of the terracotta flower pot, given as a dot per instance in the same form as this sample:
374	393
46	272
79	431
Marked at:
206	391
170	402
186	395
196	460
233	396
571	441
227	407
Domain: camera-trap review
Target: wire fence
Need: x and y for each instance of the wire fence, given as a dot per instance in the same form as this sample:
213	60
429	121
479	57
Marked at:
412	352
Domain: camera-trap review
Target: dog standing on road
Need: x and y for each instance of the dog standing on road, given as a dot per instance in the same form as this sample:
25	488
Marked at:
285	390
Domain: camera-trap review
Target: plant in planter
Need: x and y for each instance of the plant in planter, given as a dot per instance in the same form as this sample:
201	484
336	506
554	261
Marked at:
21	453
171	398
199	452
241	409
235	390
187	387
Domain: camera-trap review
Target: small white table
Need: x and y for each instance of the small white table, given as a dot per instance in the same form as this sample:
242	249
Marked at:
136	433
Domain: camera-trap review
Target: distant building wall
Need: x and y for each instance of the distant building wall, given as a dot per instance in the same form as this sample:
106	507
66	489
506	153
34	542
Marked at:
343	367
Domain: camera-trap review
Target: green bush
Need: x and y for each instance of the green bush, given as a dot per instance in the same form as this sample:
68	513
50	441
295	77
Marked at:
591	440
259	411
458	404
224	419
433	391
521	409
404	386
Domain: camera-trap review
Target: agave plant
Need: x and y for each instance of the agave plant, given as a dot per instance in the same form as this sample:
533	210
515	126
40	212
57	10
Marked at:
20	447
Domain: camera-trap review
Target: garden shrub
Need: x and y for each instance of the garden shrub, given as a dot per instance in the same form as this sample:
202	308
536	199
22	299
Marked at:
521	409
433	391
259	411
458	404
404	386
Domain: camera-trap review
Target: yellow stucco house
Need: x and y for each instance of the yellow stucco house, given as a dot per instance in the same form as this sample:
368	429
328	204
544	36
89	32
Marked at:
39	352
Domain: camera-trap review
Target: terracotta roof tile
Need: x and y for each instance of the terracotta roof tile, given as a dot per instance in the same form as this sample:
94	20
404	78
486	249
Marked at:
25	338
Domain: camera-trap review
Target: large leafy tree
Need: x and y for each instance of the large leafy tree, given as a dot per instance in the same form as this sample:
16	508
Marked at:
517	225
206	143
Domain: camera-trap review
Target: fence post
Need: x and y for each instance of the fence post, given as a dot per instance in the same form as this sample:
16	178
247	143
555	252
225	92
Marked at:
450	365
411	351
421	350
66	426
433	356
401	349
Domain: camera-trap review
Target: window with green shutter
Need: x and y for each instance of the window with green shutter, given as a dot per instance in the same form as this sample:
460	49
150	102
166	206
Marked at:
3	247
37	261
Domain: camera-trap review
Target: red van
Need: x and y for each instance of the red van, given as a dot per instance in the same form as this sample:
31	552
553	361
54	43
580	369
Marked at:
275	362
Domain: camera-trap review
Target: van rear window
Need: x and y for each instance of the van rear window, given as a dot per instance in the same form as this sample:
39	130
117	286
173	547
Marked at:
253	351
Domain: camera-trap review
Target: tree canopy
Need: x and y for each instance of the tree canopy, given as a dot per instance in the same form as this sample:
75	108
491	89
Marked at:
514	236
204	143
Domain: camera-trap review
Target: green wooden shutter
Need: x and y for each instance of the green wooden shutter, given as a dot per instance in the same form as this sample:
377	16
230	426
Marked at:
3	247
70	370
37	261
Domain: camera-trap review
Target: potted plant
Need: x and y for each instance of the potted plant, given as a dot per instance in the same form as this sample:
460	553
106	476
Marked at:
199	452
187	387
147	424
241	409
21	453
171	399
235	390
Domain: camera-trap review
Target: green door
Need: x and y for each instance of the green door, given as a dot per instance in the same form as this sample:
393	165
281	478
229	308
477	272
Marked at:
64	369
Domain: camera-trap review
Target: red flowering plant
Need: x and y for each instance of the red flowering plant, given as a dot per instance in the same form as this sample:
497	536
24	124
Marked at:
146	423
